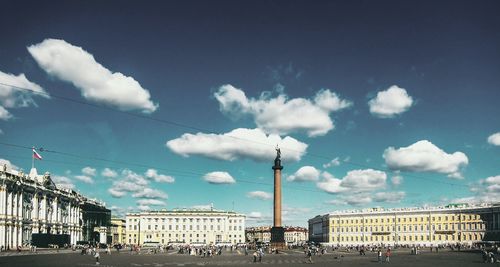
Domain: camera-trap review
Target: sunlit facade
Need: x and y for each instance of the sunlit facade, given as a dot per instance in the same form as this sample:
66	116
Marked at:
203	227
451	224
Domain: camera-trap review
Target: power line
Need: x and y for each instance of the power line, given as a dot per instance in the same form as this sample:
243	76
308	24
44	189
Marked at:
177	124
177	173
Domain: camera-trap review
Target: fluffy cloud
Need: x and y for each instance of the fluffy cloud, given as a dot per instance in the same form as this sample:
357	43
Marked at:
160	178
397	180
494	139
306	173
136	184
254	215
84	178
332	163
9	165
391	197
354	181
423	156
73	64
116	193
62	182
109	173
492	184
260	195
365	198
279	115
391	102
89	171
151	202
239	143
219	178
486	191
150	193
353	200
202	207
13	95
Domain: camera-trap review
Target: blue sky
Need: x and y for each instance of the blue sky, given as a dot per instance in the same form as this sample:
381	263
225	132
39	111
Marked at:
180	104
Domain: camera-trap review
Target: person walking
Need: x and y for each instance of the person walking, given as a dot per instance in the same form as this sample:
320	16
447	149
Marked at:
388	255
379	255
309	256
97	258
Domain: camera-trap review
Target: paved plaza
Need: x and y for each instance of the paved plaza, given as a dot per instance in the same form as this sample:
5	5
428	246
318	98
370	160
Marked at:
288	258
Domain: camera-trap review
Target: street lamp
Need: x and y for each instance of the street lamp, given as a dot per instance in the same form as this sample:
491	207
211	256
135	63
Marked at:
139	232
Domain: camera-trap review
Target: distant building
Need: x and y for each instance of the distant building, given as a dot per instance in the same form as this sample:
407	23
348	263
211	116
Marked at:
33	210
118	231
184	226
452	224
293	235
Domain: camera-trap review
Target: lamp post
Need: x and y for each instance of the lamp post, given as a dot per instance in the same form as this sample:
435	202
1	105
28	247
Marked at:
139	232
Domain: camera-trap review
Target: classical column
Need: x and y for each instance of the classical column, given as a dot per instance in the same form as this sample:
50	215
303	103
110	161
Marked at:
277	231
277	195
3	215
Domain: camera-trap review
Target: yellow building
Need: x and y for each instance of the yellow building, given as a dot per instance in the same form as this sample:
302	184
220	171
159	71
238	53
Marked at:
451	224
118	231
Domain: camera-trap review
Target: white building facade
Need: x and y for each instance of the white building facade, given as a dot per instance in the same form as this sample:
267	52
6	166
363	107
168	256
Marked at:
190	227
31	206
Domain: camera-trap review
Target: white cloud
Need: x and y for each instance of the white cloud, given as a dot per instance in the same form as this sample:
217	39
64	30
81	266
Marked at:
160	178
13	94
73	64
4	114
9	164
84	178
151	202
492	184
423	156
150	193
306	173
279	115
62	182
202	207
365	198
116	193
494	139
89	171
109	173
391	197
332	163
354	181
397	180
219	178
330	184
364	180
391	102
134	183
260	195
254	215
144	207
239	143
353	200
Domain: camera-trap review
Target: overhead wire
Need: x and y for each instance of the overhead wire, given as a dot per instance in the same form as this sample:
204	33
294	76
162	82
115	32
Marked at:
182	125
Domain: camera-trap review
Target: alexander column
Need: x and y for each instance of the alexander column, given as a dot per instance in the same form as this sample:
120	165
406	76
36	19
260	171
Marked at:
277	231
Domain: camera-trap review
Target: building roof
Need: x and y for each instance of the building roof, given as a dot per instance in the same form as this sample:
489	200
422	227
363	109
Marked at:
463	207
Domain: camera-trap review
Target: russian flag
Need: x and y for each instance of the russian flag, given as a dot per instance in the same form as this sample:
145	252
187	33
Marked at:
36	155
